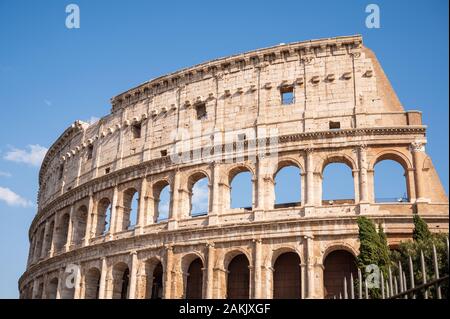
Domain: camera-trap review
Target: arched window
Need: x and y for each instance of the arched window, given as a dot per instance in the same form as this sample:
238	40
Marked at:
92	284
390	182
49	238
287	187
80	221
103	217
63	231
155	288
52	288
161	194
238	279
39	242
337	184
241	190
130	210
121	275
199	196
286	277
338	265
194	281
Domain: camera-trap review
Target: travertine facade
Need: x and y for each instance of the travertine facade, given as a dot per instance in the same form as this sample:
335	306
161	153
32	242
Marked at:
343	110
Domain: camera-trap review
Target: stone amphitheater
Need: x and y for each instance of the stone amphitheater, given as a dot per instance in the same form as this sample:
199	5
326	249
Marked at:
304	104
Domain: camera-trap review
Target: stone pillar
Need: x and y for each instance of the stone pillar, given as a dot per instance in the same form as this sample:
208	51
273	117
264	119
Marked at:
70	229
309	258
210	271
44	240
89	224
303	281
168	272
213	218
103	274
44	287
141	218
176	212
133	275
60	283
77	283
418	152
363	180
309	177
54	235
114	212
257	275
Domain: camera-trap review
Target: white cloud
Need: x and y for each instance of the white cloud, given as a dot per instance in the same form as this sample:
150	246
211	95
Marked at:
33	156
48	102
5	174
13	199
200	197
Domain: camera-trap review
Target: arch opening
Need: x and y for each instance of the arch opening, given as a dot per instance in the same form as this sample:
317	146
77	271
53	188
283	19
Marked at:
104	211
199	196
287	277
92	284
390	184
63	232
121	278
288	187
128	219
241	190
238	279
80	222
194	281
162	201
338	265
337	184
52	288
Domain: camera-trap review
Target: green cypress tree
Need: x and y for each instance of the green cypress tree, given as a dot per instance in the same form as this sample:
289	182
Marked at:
373	249
421	231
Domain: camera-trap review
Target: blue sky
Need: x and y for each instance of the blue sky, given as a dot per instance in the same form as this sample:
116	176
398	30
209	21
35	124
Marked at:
51	76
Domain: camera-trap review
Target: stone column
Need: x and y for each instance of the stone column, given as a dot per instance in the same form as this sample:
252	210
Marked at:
363	181
44	240
90	216
54	235
103	274
133	275
114	212
309	177
70	229
213	218
176	212
258	278
303	281
210	271
168	272
418	152
309	256
77	283
141	218
60	283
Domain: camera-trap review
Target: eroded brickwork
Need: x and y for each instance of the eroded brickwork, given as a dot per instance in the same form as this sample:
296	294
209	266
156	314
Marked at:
325	100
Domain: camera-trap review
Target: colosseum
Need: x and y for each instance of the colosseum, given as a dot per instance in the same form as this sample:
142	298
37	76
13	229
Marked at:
305	104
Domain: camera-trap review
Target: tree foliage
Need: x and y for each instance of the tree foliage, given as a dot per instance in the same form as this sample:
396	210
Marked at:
423	241
373	249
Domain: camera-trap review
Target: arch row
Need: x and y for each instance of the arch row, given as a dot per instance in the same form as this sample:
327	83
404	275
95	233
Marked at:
167	198
256	269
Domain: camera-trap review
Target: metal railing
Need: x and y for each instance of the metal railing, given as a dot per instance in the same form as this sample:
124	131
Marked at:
397	286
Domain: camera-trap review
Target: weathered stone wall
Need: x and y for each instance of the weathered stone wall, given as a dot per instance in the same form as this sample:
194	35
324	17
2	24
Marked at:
332	80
